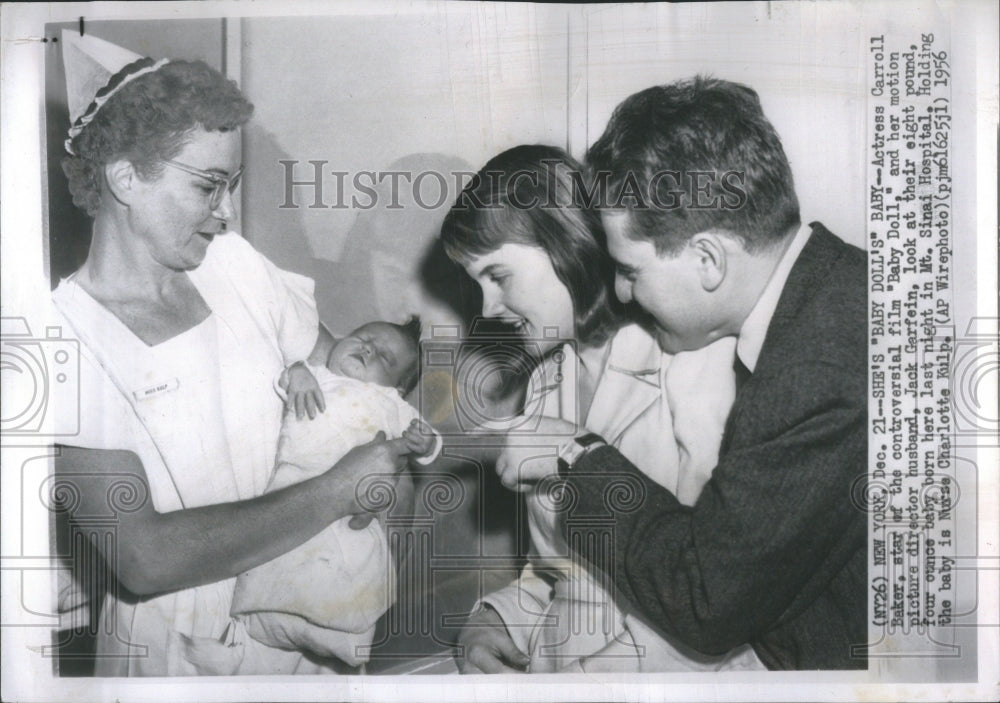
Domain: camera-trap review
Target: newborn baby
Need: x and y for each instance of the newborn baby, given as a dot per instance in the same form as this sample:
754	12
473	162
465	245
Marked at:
326	595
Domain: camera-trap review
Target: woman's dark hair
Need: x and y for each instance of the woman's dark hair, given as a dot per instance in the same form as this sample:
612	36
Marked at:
149	120
535	195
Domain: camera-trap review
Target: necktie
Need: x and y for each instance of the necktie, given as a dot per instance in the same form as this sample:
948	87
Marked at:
742	373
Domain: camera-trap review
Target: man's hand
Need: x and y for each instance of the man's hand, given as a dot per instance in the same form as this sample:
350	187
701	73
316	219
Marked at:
487	648
527	459
303	392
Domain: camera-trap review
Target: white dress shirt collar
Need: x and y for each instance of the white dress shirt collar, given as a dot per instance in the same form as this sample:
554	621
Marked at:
754	329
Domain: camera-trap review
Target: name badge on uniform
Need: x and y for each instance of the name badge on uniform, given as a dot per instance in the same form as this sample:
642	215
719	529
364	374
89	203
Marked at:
156	389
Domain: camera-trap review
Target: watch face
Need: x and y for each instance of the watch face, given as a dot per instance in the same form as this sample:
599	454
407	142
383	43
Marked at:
570	452
588	440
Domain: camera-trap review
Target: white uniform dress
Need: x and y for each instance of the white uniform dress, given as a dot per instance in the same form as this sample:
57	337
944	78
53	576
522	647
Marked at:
664	413
200	412
326	595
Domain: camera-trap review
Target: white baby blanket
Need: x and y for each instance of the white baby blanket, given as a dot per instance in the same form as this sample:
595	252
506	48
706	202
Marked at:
326	595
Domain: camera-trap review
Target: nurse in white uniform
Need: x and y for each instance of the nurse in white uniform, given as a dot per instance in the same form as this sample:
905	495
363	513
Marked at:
182	327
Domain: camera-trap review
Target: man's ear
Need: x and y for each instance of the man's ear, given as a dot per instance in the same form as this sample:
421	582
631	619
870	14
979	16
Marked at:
121	178
710	253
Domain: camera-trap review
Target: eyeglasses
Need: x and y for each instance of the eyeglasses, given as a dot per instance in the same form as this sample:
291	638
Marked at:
222	185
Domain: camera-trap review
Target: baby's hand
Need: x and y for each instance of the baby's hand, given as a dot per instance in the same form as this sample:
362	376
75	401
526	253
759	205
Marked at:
420	438
303	392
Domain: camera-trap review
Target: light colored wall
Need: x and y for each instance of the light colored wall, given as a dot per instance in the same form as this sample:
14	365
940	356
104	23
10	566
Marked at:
439	91
812	91
447	89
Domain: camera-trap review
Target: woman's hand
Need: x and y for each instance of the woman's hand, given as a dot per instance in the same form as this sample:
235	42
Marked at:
303	392
525	459
487	647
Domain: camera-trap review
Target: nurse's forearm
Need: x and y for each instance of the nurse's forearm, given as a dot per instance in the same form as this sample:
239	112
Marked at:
161	552
154	552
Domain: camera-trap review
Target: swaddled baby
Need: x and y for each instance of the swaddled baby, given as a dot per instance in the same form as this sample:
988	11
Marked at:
326	595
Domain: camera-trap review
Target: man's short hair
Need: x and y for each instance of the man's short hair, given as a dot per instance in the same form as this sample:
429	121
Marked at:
698	155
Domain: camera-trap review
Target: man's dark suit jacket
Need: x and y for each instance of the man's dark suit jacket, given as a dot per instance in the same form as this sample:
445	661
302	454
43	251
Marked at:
774	551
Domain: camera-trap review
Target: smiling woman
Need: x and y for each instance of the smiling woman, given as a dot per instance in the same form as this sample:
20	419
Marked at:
523	231
554	248
520	285
183	326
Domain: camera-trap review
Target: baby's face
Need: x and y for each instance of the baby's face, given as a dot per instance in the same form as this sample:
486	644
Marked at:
377	353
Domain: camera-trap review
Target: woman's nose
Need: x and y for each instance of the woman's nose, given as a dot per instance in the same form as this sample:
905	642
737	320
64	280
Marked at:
226	210
492	304
623	288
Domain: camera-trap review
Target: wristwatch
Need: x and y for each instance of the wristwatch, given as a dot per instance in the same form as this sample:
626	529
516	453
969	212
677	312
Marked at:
572	451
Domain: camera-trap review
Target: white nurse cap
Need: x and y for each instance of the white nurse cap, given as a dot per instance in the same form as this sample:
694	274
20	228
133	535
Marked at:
94	72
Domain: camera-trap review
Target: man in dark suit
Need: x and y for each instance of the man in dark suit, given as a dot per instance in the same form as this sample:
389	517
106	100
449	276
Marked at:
703	221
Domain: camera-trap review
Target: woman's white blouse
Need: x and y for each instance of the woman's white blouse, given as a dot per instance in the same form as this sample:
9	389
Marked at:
666	414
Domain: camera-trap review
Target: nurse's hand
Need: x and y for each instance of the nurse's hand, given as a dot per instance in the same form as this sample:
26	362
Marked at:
378	461
485	646
527	459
